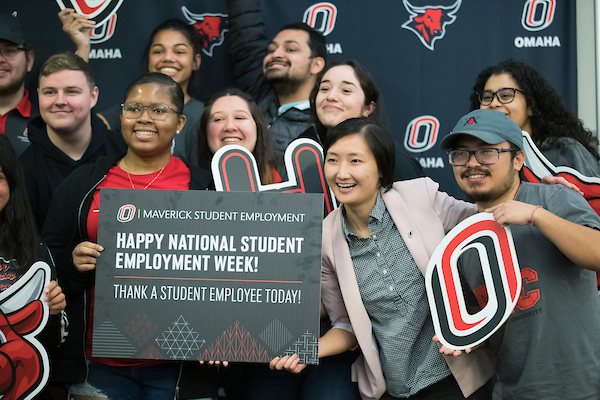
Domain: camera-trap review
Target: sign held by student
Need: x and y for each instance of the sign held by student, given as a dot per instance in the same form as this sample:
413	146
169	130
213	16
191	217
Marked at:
203	275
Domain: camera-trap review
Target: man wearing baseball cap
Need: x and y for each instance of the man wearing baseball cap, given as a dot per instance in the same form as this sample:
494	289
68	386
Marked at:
548	348
16	60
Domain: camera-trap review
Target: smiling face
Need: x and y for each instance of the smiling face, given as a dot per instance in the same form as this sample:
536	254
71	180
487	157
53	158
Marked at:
517	110
13	70
490	184
340	97
171	54
288	57
66	100
352	173
231	122
145	136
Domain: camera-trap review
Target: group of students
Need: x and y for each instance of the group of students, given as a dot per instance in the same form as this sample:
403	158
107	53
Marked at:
376	245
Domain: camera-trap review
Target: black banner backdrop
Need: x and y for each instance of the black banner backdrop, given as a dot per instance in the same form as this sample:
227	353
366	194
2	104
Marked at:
424	54
208	275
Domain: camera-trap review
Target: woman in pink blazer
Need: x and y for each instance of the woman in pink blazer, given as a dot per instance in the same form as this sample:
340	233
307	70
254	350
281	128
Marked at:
376	248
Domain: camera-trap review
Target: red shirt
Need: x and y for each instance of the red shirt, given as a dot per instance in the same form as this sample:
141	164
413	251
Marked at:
175	176
24	108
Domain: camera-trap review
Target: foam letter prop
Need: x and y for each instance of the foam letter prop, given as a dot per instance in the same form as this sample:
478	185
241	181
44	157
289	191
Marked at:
537	166
455	327
24	365
234	170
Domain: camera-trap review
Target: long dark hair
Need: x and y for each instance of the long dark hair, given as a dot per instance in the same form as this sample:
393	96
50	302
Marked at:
262	149
367	84
18	233
550	118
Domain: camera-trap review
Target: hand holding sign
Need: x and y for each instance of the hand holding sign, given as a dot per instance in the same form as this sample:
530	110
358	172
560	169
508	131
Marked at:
85	255
451	352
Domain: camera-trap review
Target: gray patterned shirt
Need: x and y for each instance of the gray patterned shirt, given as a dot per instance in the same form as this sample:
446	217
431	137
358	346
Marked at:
393	291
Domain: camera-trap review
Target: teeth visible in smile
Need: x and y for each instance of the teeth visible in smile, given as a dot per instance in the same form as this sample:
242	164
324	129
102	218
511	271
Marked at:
144	133
232	140
345	185
167	69
477	176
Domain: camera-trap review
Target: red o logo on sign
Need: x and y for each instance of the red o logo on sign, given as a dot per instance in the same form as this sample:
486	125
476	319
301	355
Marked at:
126	213
421	133
538	14
454	325
327	13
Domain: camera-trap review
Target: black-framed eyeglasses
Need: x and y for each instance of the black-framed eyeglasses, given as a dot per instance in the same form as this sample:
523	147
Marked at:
157	112
11	52
504	96
483	156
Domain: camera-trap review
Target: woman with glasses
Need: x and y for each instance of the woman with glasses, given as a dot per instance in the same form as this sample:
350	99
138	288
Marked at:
174	48
151	117
520	92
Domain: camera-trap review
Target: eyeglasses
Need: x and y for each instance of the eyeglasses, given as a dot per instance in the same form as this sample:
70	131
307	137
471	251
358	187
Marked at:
504	95
10	52
483	156
157	112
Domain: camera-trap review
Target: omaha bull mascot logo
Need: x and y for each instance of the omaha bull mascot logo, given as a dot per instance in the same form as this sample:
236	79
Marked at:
429	22
210	26
24	365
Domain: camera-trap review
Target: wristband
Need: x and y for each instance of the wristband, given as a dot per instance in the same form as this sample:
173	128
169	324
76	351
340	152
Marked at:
533	212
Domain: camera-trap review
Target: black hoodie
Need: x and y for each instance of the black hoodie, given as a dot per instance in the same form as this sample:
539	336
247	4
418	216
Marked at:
46	166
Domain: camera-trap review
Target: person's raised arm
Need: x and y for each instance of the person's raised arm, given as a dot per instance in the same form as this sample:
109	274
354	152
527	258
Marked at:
248	47
78	27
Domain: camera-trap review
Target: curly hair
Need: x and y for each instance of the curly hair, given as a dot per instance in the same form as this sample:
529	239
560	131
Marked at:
262	149
550	118
18	231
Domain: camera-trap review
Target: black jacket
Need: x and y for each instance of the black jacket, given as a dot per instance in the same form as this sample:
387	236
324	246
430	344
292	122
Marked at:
46	166
64	228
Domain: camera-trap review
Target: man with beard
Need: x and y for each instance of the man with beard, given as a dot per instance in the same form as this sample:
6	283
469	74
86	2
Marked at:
279	74
16	59
548	348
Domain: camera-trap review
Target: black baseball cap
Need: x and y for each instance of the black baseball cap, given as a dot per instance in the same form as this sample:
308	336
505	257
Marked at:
10	28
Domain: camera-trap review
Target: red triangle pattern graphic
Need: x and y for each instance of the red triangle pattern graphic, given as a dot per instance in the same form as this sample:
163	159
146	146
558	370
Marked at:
235	344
